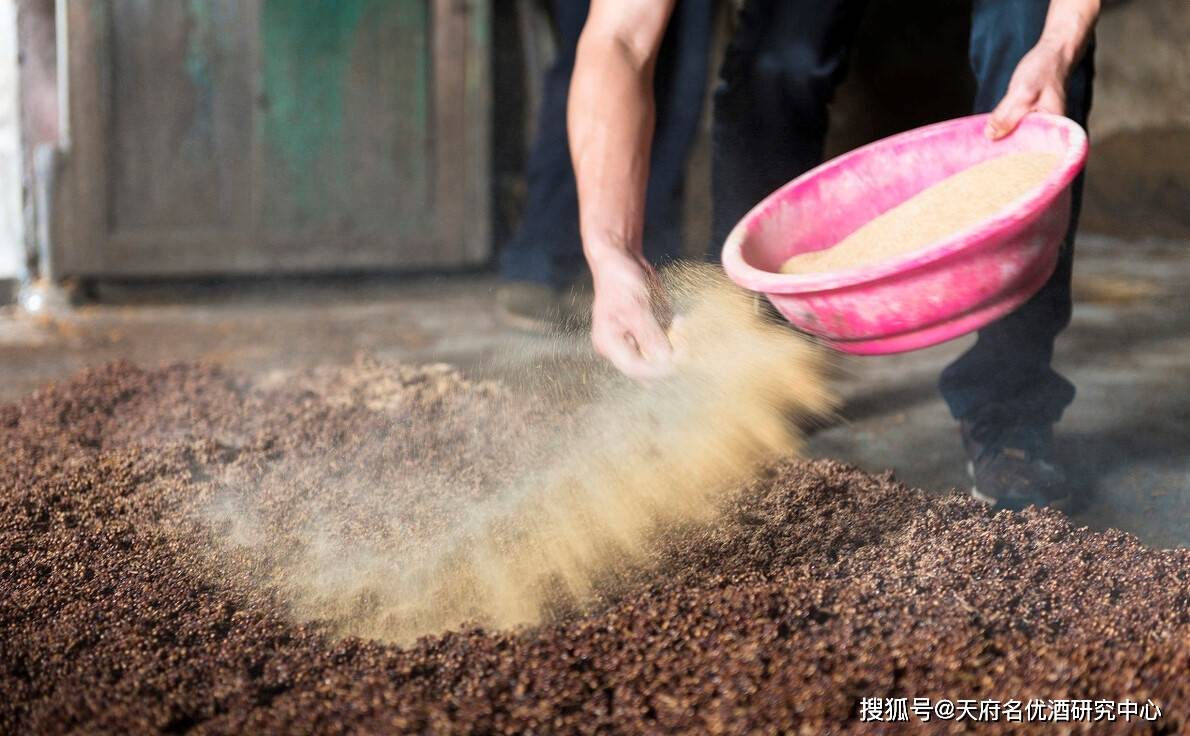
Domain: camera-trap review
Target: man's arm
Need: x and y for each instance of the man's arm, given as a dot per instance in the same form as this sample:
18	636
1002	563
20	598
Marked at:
610	122
1039	82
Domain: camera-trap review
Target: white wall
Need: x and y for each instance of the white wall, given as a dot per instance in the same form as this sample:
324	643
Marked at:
11	222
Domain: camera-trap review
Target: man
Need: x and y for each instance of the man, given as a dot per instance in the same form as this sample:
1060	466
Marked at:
778	75
544	258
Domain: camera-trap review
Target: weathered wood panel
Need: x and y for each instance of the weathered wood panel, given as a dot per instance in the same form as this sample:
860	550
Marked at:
477	104
80	227
179	135
344	123
386	135
275	135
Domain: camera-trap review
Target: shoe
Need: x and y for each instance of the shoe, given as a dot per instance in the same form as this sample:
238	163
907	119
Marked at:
1012	463
528	306
541	309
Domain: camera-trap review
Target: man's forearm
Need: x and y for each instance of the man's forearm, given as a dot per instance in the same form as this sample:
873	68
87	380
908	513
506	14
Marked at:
610	122
1068	26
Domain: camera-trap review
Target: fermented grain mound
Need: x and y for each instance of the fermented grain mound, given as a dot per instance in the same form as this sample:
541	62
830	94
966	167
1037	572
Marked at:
816	585
951	205
580	496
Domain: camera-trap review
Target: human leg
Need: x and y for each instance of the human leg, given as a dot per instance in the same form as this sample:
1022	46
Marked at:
779	73
549	232
1004	389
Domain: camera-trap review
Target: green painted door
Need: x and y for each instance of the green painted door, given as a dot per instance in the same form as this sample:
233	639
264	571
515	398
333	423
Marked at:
216	136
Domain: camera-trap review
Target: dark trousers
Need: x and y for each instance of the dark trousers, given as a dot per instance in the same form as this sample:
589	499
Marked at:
780	72
546	247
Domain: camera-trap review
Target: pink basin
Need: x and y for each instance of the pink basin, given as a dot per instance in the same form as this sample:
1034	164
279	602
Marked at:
941	291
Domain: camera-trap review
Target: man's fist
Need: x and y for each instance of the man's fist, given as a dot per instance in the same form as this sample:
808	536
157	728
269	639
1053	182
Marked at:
623	327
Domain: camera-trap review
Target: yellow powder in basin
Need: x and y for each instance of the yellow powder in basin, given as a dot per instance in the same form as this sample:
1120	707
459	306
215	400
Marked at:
952	204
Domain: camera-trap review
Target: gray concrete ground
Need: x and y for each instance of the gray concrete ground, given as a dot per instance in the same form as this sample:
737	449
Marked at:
1127	437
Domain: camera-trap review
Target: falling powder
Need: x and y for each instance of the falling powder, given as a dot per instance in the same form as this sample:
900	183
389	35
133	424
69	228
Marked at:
951	205
637	458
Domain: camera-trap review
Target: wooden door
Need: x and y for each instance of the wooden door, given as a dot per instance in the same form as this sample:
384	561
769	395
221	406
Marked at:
233	136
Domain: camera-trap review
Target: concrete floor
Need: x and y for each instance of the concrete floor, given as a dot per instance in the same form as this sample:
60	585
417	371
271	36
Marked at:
1126	438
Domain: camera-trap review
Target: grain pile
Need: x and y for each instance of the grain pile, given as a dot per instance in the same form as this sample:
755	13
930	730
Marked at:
951	205
818	585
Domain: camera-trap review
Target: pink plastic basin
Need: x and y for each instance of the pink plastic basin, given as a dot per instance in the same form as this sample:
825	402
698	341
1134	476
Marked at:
941	291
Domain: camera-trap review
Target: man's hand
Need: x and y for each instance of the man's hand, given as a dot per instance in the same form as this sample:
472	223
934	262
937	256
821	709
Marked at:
623	327
1039	82
1038	85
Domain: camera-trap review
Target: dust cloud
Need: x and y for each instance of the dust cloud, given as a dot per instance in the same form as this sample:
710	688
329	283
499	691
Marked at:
523	515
